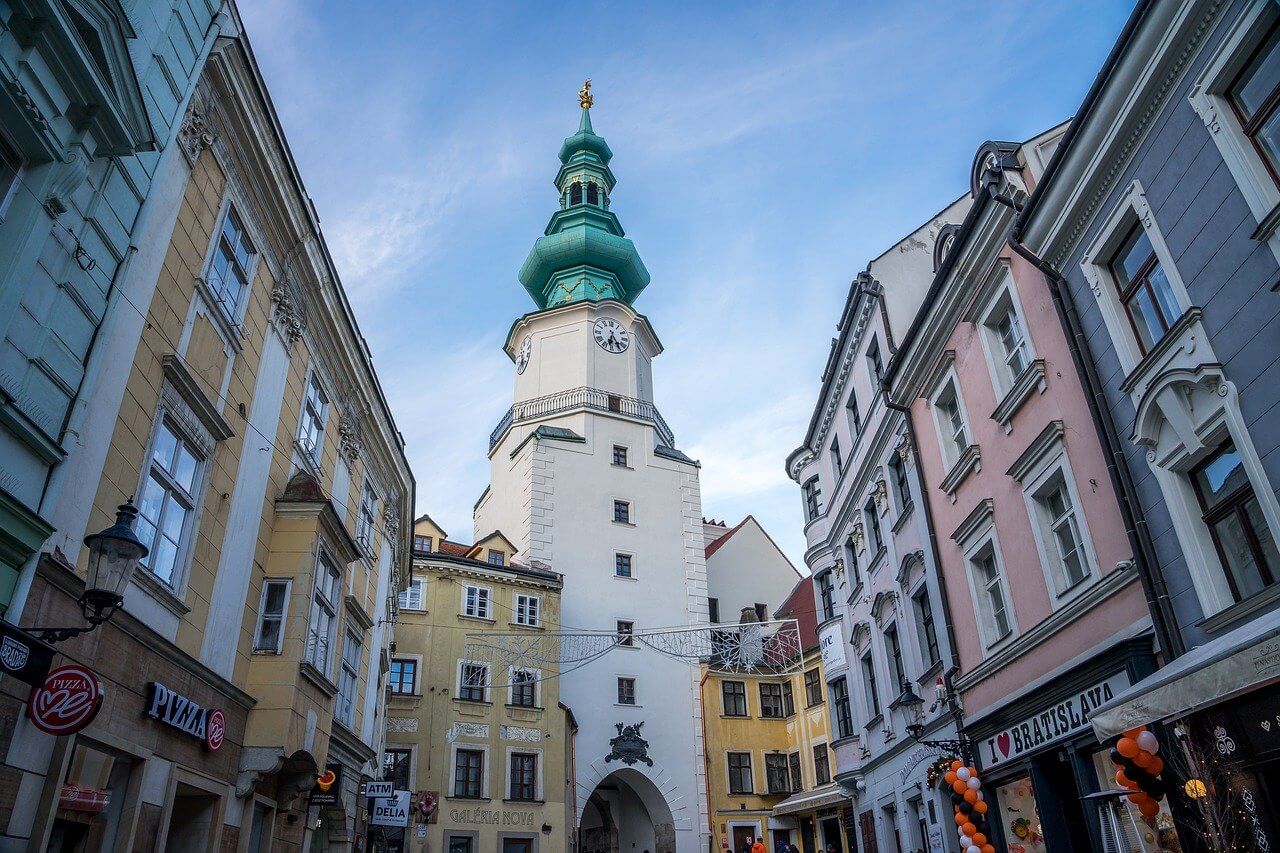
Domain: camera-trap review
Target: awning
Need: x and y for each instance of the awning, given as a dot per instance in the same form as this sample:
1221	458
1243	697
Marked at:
807	801
1237	662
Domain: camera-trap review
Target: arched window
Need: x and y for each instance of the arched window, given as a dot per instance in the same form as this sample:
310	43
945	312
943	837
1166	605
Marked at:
575	193
593	193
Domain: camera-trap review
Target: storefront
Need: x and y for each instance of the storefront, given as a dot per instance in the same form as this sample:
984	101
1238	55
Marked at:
1222	700
158	762
810	820
1040	759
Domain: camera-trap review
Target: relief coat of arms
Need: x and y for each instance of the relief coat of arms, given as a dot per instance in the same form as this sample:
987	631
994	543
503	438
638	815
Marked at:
628	747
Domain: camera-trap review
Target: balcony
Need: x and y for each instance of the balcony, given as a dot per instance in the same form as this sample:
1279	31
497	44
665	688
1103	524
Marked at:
582	398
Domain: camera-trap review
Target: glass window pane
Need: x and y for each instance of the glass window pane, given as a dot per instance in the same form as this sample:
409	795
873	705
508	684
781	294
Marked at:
166	444
1239	557
184	471
1259	78
1220	475
1165	300
1146	318
1268	137
152	501
1265	540
175	515
1132	255
162	559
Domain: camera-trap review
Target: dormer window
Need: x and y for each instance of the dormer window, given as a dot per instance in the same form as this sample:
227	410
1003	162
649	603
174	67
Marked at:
593	193
575	193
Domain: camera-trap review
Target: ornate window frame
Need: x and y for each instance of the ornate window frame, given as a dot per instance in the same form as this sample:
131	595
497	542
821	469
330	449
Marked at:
976	534
1208	98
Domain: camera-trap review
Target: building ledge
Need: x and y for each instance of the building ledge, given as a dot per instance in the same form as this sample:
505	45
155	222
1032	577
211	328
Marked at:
970	460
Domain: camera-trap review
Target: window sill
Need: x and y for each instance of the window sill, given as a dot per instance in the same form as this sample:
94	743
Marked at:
394	695
512	707
1151	362
631	524
625	705
484	702
624	577
1239	610
877	720
481	619
160	592
525	802
906	513
970	460
468	799
621	467
735	716
876	561
1032	378
526	627
318	678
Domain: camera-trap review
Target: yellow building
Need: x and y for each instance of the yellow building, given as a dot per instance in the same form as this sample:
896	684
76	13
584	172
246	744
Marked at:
491	749
274	496
768	754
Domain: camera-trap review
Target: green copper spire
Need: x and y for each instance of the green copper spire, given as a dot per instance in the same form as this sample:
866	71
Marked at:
583	254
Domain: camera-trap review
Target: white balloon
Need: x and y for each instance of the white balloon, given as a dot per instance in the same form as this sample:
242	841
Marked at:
974	784
1147	741
980	796
973	848
963	774
966	841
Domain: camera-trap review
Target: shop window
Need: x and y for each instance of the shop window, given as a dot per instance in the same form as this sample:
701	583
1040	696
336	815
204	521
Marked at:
821	764
468	773
740	773
168	503
1234	517
91	801
734	697
261	828
415	597
1017	808
776	776
1145	292
404	676
348	675
191	818
272	608
231	264
771	700
324	613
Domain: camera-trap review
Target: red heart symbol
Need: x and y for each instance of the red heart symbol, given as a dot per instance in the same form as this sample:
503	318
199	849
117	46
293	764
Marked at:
1002	741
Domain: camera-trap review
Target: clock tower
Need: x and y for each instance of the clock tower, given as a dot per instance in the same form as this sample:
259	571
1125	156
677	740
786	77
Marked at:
586	479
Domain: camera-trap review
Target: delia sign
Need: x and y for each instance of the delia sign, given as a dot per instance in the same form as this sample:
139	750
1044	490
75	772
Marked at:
1057	722
174	709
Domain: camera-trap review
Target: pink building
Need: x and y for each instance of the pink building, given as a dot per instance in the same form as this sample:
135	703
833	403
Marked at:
1046	601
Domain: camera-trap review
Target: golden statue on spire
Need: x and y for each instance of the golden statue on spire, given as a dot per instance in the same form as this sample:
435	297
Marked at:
584	95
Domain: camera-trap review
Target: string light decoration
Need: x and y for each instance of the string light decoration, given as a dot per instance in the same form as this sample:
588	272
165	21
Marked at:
970	806
751	648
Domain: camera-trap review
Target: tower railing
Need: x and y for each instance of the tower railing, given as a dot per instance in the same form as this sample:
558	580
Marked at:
582	398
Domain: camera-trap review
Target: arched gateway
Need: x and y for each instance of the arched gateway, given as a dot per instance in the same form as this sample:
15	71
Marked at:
626	812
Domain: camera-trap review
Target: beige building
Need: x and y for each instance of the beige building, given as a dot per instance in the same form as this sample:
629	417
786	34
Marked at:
490	749
768	750
274	497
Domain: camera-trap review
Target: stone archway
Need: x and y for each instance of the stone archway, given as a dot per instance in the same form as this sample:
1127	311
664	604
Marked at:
626	812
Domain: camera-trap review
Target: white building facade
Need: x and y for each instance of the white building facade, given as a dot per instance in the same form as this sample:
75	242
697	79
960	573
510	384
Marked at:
585	479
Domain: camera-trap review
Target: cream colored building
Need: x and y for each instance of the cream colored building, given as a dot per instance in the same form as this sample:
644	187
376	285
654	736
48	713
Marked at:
491	749
274	494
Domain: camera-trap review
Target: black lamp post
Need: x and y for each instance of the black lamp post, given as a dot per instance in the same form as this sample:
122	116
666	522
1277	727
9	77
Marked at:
961	745
114	554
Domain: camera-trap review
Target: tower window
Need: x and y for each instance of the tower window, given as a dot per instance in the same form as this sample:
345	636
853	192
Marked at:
593	193
575	193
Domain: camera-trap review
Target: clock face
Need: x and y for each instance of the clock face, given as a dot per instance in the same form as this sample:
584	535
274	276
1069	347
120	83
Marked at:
610	334
522	357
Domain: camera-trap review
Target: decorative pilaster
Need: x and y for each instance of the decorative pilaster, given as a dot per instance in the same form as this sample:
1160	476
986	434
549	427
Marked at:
286	314
349	437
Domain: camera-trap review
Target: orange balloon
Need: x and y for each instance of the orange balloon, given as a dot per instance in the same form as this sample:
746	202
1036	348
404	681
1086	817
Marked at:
971	796
1143	759
988	848
1156	767
950	777
957	764
959	786
1137	797
980	807
1133	733
961	818
969	829
1127	746
1125	782
979	839
973	771
1149	808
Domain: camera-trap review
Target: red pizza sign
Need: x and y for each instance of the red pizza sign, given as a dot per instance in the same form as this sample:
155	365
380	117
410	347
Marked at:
68	700
215	729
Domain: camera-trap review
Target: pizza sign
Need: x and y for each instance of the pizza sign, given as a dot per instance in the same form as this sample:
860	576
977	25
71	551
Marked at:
208	725
68	700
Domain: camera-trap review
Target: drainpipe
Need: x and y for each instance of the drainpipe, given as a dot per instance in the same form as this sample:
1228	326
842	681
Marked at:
1163	618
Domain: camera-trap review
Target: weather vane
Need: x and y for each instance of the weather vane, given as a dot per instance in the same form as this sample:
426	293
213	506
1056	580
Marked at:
584	95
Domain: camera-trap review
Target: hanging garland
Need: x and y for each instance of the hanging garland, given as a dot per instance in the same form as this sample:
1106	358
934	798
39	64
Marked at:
1139	770
934	775
970	807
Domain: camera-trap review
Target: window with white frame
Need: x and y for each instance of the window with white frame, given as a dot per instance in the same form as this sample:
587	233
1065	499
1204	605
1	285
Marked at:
324	613
622	512
1231	511
739	772
626	633
315	410
368	521
528	610
476	601
473	682
1061	533
524	688
837	461
272	607
348	674
415	596
1006	341
1144	289
168	503
403	678
231	264
524	777
812	499
468	773
875	364
989	587
622	565
953	432
626	690
497	558
421	544
875	538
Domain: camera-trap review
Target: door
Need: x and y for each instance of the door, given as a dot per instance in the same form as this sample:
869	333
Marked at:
831	835
742	838
808	840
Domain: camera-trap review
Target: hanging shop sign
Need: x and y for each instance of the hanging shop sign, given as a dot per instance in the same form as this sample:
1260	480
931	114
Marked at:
831	646
392	811
23	656
209	725
67	701
328	787
1057	722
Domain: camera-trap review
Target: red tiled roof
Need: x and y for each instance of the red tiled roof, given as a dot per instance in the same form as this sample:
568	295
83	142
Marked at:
453	549
800	607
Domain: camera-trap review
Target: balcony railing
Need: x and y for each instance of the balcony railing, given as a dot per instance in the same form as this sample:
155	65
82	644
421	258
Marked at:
582	398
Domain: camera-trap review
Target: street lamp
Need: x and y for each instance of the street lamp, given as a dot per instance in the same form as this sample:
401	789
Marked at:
114	554
960	746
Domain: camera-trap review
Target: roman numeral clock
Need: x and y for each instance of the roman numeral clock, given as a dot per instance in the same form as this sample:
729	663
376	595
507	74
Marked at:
611	335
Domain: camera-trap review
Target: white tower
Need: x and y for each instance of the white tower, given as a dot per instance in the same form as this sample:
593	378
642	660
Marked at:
586	480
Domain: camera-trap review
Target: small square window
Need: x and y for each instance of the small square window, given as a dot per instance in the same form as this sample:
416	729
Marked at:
622	512
622	565
626	633
497	558
626	691
473	682
528	610
619	456
404	676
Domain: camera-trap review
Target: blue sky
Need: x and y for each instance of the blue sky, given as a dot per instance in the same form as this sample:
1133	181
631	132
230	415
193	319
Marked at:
764	151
